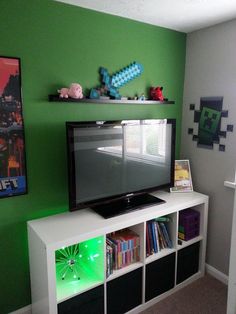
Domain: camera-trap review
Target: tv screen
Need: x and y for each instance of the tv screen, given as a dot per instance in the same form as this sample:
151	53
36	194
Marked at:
112	165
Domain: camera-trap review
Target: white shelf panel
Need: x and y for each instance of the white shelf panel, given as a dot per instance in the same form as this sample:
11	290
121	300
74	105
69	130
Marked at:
189	280
189	242
70	293
74	227
124	270
162	253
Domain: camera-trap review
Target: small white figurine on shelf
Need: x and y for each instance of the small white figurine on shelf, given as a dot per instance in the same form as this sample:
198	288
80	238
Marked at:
74	91
142	97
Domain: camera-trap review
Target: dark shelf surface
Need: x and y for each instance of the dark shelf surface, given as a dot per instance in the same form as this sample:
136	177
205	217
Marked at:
56	98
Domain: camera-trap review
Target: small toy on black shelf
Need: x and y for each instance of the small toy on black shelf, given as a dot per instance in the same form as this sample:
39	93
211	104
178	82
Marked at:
74	91
142	97
156	93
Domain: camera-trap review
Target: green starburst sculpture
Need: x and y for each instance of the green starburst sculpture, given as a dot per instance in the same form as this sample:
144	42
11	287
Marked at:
67	260
79	267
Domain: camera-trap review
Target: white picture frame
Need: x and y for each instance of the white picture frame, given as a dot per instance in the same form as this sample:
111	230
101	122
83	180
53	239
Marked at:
183	178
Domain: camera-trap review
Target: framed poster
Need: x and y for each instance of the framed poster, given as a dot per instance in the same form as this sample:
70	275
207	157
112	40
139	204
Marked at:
12	141
183	179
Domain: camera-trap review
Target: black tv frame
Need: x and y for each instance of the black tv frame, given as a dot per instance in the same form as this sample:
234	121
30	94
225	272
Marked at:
121	203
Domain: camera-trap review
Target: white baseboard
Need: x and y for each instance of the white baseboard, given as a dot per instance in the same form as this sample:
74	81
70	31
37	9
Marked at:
23	310
217	274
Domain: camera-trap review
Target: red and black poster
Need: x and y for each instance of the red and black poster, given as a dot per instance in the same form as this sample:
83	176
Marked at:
12	142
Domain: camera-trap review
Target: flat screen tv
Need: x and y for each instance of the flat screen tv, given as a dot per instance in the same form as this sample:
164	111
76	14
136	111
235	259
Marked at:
114	165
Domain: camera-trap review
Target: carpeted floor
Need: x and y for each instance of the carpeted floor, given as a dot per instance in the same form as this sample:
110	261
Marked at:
205	296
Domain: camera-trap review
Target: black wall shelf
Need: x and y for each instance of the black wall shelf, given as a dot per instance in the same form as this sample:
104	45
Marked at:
56	98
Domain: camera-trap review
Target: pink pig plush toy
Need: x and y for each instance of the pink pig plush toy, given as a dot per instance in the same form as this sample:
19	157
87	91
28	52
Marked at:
63	92
74	91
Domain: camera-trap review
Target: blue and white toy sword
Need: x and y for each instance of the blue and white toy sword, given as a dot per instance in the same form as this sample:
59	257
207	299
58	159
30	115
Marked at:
117	80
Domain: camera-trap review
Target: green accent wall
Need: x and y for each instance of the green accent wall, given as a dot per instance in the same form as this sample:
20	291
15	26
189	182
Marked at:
59	44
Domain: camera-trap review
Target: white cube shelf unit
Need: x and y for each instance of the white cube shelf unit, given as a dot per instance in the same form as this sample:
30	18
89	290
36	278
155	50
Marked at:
68	259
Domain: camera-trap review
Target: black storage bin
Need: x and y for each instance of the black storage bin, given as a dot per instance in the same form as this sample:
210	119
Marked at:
188	262
160	276
124	293
89	302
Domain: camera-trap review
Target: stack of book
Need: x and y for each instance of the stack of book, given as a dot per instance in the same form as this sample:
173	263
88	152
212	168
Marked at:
122	249
157	235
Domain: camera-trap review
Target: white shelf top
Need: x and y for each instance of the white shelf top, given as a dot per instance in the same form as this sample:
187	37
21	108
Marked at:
73	227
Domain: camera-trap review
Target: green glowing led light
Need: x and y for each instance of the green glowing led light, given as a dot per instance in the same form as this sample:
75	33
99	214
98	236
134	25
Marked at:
79	266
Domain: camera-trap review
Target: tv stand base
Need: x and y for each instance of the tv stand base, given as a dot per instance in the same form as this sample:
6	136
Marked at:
126	204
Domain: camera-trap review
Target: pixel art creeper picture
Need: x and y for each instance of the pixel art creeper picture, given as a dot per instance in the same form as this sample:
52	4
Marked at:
208	126
209	122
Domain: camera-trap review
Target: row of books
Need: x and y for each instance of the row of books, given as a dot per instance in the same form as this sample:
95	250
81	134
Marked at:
122	249
157	235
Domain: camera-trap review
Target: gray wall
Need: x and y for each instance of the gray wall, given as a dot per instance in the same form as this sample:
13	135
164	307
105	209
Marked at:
211	71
